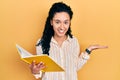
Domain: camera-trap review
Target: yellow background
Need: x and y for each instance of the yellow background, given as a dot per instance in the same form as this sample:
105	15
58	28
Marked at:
94	22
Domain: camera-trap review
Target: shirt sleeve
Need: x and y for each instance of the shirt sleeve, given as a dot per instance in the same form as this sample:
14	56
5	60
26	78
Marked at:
38	49
80	59
37	76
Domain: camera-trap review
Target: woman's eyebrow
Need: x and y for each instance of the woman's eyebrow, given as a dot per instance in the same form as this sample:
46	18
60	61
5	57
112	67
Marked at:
60	20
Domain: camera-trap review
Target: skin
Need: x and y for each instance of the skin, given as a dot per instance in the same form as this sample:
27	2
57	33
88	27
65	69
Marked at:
60	22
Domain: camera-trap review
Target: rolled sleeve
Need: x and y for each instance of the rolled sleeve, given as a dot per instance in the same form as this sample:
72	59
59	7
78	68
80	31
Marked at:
82	60
37	76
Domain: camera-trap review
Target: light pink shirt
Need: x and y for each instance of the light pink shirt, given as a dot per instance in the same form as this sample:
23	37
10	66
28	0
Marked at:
67	56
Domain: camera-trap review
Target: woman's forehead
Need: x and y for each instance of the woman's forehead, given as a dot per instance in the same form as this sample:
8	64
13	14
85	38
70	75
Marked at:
61	16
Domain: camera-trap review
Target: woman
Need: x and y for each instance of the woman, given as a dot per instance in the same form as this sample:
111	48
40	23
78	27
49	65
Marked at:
58	42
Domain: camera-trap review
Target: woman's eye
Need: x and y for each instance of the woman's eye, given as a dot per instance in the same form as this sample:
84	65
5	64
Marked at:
66	22
57	22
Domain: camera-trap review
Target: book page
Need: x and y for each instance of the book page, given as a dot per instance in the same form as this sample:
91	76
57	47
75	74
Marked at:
23	53
51	65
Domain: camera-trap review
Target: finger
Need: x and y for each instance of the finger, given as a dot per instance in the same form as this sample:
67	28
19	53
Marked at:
42	67
40	64
102	47
33	64
94	47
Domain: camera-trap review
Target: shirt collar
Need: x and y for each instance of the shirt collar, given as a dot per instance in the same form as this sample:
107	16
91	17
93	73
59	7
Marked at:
54	41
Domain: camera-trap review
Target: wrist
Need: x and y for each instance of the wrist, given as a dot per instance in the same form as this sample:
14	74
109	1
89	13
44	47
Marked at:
38	75
35	72
88	51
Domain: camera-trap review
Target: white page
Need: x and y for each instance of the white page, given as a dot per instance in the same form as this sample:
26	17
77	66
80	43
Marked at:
23	53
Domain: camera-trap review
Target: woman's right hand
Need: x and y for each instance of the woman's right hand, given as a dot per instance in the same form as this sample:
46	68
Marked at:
35	68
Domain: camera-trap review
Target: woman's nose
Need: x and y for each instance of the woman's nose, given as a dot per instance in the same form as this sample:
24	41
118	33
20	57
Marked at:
62	26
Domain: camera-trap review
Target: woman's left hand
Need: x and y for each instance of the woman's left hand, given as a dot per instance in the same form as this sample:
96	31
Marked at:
94	47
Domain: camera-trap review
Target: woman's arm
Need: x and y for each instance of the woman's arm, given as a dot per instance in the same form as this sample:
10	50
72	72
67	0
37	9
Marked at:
84	56
37	67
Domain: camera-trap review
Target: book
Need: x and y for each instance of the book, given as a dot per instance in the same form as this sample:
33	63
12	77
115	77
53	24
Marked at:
51	65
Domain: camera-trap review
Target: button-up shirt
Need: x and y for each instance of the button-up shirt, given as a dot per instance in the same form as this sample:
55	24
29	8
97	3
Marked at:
67	56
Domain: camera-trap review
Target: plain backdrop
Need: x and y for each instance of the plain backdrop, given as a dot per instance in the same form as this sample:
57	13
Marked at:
94	22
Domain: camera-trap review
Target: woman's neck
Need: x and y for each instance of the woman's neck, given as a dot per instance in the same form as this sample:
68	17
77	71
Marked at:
60	39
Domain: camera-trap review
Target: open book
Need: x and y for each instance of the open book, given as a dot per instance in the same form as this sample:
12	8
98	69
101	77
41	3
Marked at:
51	65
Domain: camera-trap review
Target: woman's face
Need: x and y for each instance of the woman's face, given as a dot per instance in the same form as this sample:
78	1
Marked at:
60	23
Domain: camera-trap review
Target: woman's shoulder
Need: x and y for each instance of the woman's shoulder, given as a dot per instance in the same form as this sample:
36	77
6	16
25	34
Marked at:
74	38
38	41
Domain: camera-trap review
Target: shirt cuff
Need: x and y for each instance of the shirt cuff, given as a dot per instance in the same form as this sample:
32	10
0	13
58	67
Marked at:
85	56
38	75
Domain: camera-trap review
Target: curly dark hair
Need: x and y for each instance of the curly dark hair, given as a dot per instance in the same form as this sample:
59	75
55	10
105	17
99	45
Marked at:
48	30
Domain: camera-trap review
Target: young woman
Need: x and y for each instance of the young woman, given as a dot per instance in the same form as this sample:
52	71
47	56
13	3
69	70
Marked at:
58	42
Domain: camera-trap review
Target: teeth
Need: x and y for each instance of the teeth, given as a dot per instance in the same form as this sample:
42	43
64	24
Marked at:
61	31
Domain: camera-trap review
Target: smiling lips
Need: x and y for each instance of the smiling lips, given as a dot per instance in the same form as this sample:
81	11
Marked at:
61	31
